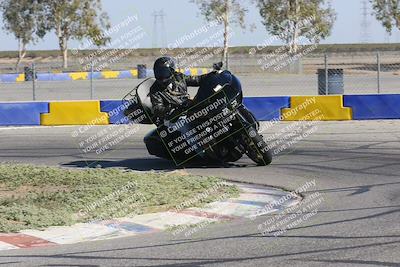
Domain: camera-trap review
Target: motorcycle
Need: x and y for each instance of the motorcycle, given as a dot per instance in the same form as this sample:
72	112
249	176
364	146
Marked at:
217	128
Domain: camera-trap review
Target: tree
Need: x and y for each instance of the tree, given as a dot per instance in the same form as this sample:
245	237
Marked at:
387	12
22	18
77	19
291	19
226	13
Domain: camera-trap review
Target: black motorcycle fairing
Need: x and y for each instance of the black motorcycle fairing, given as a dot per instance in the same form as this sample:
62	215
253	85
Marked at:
155	146
215	81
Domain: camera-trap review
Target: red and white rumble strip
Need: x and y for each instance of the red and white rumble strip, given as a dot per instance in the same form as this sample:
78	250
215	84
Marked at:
250	202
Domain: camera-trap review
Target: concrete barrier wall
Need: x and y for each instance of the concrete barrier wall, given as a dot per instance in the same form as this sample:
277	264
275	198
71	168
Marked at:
74	76
321	108
23	114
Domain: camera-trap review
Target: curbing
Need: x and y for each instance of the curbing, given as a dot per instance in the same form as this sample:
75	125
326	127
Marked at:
329	108
250	203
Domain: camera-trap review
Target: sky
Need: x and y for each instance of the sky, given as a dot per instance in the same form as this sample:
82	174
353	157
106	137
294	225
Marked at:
183	18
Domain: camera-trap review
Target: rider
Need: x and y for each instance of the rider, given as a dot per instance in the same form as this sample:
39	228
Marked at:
169	94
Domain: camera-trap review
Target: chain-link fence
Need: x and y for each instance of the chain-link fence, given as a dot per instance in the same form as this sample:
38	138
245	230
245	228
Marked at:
345	73
372	73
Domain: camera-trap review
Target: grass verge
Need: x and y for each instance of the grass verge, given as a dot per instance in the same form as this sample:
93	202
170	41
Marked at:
34	197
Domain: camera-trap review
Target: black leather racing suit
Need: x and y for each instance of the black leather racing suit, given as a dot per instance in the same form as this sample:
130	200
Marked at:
168	101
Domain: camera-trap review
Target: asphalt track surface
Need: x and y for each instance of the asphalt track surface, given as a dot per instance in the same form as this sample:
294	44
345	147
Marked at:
356	167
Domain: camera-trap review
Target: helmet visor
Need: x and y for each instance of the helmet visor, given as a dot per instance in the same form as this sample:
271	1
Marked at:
163	74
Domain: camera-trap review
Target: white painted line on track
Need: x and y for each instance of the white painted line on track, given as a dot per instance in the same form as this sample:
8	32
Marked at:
39	127
5	246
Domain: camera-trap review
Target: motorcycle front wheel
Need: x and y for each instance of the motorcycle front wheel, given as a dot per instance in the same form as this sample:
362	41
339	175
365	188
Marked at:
256	148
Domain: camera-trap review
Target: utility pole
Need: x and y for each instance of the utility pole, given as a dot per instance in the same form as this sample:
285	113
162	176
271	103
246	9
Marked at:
159	40
387	38
365	23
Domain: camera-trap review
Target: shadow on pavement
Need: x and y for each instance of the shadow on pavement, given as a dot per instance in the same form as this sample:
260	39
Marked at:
147	164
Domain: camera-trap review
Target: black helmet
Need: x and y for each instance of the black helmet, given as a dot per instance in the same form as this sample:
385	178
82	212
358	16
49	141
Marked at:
164	68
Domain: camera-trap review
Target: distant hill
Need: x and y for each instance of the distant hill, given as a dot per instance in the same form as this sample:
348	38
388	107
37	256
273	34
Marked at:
323	48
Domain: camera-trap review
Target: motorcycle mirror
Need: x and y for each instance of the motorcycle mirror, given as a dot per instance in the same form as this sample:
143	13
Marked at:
218	66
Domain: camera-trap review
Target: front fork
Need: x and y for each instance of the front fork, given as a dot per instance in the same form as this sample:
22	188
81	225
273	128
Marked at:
247	119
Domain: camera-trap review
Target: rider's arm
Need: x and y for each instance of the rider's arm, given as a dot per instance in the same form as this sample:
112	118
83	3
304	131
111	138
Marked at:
159	108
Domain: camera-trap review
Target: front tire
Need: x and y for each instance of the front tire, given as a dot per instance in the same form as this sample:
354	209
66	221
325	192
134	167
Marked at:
256	148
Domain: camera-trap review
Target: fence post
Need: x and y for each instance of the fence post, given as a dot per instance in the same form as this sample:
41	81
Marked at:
378	62
91	81
34	81
326	75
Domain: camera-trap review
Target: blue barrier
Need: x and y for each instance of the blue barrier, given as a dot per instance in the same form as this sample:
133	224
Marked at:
96	75
125	74
267	108
9	78
115	110
373	107
53	77
18	114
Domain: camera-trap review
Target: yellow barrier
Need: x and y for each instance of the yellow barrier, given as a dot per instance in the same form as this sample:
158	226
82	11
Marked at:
324	108
110	74
74	113
194	72
21	78
134	73
79	75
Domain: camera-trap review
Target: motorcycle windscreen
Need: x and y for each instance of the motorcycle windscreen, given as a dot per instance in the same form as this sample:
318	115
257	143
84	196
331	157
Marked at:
213	81
136	113
141	103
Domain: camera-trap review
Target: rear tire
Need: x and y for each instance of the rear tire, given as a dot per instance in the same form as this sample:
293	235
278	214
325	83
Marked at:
256	148
155	146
